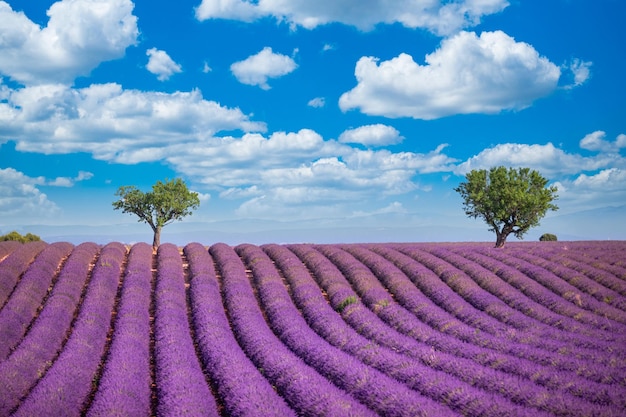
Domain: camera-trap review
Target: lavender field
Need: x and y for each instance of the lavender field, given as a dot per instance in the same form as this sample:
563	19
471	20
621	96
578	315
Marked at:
407	329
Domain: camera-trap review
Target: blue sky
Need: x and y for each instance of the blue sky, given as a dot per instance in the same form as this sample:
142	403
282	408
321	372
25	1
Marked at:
334	120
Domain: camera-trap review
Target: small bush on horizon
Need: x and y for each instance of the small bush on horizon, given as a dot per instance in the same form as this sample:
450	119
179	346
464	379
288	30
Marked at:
28	237
548	237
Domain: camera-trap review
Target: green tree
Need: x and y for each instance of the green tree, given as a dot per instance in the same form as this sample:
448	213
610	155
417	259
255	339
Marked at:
548	237
168	201
508	200
28	237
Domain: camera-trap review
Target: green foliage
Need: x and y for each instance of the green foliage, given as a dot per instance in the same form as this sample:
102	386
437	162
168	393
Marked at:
548	237
508	200
28	237
168	201
352	299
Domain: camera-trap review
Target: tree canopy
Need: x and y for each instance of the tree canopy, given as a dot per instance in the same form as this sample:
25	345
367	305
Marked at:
508	200
14	235
169	201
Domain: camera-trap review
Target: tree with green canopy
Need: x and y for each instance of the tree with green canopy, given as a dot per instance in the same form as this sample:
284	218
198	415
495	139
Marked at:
168	201
508	200
14	235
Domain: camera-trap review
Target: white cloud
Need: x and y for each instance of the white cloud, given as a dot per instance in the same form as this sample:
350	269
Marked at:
372	135
589	191
596	142
317	102
237	193
80	34
440	17
69	182
285	172
256	69
161	65
547	159
581	72
467	74
606	180
113	124
203	197
21	197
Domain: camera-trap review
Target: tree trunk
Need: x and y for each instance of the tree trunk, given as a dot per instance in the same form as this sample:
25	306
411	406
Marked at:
502	235
157	238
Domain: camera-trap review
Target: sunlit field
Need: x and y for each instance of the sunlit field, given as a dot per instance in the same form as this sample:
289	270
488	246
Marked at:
405	329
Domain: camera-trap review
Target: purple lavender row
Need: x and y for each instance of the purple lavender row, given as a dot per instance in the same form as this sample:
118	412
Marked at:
7	247
381	393
66	386
387	310
409	296
509	342
566	335
182	388
602	280
306	391
605	253
568	283
557	368
21	308
547	376
484	302
547	306
14	265
38	350
124	387
241	387
464	386
556	323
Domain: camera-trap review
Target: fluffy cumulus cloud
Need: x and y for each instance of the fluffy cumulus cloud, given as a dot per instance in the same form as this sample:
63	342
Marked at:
596	142
286	171
372	135
467	74
440	17
21	197
547	159
256	69
80	34
161	65
113	124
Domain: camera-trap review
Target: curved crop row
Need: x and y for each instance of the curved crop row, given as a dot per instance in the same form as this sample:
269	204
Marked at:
124	388
29	294
465	387
397	329
7	247
535	397
305	390
567	322
40	347
241	387
369	385
14	266
475	363
181	386
509	341
67	384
